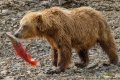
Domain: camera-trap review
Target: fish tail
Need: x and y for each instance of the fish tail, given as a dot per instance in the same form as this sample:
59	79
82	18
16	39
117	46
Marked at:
34	63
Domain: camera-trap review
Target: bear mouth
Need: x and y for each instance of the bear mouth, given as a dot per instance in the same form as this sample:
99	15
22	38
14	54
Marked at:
20	38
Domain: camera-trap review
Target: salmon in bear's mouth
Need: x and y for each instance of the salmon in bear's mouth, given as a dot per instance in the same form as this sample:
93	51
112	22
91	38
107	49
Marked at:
21	50
12	37
18	36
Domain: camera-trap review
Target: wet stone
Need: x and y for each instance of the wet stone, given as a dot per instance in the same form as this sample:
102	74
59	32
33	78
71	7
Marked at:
4	72
93	65
118	64
22	77
9	78
113	68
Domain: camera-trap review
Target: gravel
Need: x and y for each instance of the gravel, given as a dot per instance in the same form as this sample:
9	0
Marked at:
14	68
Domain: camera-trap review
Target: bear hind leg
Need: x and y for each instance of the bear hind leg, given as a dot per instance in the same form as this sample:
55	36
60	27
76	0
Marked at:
109	47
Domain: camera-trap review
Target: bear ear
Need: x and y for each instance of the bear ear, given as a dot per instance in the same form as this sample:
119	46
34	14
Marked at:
39	18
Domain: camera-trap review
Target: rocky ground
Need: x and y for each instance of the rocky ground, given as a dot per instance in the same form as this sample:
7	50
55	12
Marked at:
12	68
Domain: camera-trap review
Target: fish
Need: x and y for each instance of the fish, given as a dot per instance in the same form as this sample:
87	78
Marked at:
21	51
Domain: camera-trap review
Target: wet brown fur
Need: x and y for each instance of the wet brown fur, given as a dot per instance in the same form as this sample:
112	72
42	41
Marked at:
79	28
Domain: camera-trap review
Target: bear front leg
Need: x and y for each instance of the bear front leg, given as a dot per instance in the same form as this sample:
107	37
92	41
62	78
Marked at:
64	58
84	58
54	56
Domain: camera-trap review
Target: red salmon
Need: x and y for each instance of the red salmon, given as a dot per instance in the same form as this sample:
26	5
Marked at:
21	51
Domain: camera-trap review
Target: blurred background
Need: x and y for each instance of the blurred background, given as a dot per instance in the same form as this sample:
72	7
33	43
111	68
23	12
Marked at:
13	68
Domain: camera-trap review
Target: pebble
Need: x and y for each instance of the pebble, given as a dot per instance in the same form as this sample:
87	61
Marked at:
28	72
92	65
113	68
107	77
5	11
21	77
54	68
74	67
117	76
98	74
100	65
55	75
9	78
4	72
71	70
41	76
118	64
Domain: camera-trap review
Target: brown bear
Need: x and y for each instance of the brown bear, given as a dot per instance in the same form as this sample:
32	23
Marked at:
79	29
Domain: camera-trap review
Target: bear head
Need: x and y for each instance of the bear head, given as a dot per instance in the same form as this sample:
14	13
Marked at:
31	26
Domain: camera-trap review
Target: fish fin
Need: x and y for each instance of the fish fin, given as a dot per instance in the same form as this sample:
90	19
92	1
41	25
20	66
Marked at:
34	63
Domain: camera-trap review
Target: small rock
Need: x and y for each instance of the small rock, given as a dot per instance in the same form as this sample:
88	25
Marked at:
55	75
9	78
103	68
17	65
118	64
4	11
112	68
28	72
41	76
100	65
29	1
6	67
106	77
3	21
53	67
74	67
1	27
117	76
71	70
99	73
47	68
4	72
93	65
22	77
2	62
45	3
79	71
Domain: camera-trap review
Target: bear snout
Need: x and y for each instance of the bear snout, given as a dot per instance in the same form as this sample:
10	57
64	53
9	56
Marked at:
16	35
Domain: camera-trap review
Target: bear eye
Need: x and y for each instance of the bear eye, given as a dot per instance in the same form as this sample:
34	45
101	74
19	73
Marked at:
25	26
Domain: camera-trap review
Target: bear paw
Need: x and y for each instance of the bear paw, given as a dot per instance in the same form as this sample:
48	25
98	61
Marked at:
106	64
57	71
80	65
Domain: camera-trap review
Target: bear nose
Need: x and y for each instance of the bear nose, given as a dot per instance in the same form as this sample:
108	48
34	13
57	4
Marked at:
16	35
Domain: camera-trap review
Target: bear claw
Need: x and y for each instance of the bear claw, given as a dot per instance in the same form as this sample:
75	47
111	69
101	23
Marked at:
106	64
53	71
80	65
